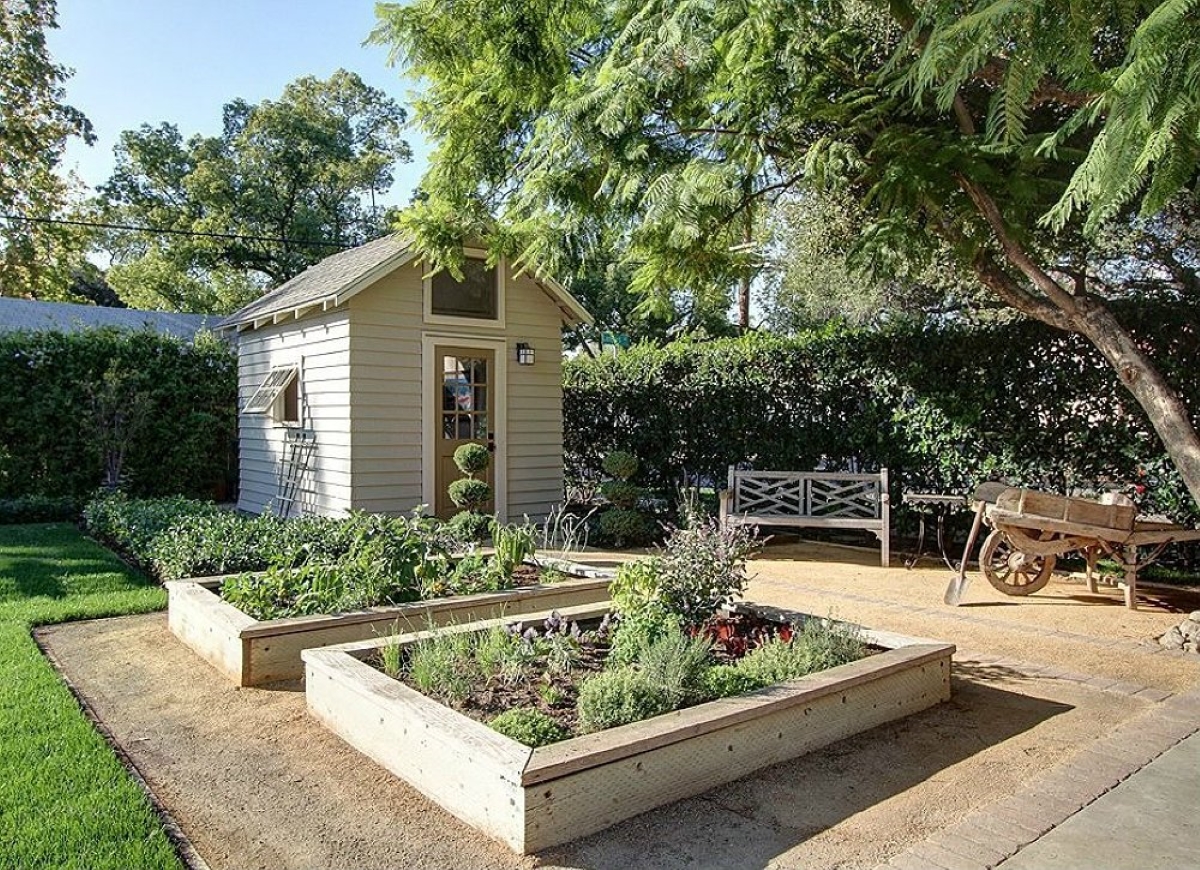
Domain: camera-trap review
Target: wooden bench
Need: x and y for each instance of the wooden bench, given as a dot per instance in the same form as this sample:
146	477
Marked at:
810	499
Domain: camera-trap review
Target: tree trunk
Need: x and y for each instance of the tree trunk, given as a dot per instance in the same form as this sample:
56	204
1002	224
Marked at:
1162	404
1091	318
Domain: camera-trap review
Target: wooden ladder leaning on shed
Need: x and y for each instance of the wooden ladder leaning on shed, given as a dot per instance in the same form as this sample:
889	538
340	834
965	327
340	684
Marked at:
811	499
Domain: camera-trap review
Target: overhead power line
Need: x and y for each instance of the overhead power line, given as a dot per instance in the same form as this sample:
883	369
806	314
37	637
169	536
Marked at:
171	232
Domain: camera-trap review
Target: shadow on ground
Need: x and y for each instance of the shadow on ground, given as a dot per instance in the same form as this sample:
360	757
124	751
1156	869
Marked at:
752	822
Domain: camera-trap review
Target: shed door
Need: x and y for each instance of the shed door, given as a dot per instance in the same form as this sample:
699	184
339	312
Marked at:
468	413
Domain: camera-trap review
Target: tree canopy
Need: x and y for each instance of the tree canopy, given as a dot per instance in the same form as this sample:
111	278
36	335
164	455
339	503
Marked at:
36	258
1006	133
286	183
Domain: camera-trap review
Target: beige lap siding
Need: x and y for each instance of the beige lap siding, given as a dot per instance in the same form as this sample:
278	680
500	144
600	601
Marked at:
321	345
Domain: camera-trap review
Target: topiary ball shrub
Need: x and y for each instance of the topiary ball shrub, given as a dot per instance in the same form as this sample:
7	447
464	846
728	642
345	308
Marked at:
469	493
624	528
470	527
621	493
472	459
528	725
620	464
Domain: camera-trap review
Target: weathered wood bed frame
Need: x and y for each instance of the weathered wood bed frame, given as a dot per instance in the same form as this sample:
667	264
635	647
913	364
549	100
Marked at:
811	499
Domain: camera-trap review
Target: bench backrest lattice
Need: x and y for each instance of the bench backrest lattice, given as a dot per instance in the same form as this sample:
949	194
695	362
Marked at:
812	499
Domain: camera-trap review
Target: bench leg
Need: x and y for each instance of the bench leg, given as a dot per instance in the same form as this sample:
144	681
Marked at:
1131	568
885	547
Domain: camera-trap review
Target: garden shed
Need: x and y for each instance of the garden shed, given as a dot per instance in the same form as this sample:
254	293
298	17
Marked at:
358	379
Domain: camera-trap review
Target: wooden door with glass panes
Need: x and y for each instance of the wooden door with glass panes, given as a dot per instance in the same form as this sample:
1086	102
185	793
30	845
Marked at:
467	414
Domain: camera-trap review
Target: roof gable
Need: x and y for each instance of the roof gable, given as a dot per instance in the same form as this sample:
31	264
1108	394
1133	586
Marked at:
341	276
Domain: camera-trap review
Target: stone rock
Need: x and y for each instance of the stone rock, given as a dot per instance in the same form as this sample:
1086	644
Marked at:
1189	629
1191	646
1194	616
1173	639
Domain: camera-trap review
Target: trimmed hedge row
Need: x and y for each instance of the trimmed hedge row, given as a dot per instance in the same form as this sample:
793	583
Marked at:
68	399
943	407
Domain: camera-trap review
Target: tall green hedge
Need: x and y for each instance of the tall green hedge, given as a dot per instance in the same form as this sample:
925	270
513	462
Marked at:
52	431
943	407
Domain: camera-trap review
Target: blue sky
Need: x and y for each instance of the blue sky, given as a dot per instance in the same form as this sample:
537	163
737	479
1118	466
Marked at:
147	61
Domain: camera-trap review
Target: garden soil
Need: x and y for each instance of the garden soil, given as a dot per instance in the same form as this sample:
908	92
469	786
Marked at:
255	783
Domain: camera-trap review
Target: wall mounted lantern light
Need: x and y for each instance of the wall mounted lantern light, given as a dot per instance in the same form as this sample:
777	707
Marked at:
524	354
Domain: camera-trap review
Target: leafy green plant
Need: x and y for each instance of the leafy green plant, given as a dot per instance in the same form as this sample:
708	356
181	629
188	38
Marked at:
528	725
618	697
39	509
513	544
469	494
472	459
620	464
677	665
821	644
443	665
703	568
470	527
624	528
725	681
391	658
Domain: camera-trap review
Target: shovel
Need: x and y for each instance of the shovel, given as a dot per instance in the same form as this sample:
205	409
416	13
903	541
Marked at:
985	494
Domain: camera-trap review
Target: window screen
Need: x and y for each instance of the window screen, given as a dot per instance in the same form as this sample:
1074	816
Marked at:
264	397
473	296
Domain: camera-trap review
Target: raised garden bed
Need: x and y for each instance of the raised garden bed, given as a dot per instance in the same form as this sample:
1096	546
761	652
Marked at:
532	799
253	652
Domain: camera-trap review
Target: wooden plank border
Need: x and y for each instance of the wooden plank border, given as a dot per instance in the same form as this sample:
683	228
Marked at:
554	794
253	652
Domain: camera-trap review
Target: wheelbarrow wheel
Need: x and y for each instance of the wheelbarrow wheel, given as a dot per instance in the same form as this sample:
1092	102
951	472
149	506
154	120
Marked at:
1010	570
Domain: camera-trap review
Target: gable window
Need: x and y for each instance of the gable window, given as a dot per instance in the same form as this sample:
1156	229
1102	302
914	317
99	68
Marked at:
278	395
476	296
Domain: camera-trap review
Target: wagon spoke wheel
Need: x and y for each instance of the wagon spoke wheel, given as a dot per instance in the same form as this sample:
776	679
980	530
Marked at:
1010	570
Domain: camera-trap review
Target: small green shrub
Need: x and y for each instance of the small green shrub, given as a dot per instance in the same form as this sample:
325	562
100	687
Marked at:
644	617
469	494
621	493
472	459
443	665
618	697
625	528
39	509
513	544
528	725
620	464
725	681
470	527
703	568
391	659
676	665
821	644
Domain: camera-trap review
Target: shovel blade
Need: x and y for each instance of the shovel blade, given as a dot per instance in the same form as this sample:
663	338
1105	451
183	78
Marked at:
956	589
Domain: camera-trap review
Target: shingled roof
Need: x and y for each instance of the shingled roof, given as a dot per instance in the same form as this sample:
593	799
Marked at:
335	279
33	315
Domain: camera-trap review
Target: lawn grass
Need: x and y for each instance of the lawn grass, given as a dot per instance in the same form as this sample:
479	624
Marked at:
65	799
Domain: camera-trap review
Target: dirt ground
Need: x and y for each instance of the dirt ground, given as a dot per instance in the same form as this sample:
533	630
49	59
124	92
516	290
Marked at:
255	783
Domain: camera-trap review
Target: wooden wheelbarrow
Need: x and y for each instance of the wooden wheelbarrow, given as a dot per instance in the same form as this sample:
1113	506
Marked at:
1031	529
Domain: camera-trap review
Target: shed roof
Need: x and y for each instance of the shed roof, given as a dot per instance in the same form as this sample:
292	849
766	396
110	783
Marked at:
34	315
340	276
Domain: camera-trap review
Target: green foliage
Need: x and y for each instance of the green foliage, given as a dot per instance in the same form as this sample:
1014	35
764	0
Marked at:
677	664
621	493
299	169
726	681
38	509
472	459
36	259
644	617
469	493
65	412
528	725
470	527
624	528
703	568
391	659
512	543
944	408
443	665
135	526
618	697
819	645
620	464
